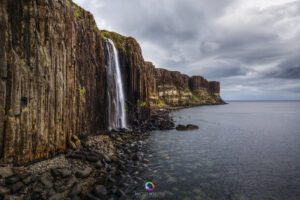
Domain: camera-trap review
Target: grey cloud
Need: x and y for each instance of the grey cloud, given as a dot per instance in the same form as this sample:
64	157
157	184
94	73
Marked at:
222	71
216	69
294	89
288	69
255	48
245	46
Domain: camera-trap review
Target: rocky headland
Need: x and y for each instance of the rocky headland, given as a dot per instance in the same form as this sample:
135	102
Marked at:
53	104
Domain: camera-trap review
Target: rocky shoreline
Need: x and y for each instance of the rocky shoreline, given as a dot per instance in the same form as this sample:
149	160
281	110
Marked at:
106	166
100	169
54	80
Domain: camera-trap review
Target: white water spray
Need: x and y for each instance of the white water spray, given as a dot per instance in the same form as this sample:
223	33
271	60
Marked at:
115	90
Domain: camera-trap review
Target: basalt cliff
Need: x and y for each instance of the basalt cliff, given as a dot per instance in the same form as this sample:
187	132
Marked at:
53	79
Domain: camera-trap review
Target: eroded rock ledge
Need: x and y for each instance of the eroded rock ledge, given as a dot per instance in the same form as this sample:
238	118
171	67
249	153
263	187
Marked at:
53	79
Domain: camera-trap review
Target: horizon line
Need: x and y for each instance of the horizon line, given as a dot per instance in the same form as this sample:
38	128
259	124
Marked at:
262	100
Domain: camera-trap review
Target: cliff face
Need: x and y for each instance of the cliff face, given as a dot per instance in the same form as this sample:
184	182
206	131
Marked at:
176	89
136	75
53	79
148	87
52	72
173	87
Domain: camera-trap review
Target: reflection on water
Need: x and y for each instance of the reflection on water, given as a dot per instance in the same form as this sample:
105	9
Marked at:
243	150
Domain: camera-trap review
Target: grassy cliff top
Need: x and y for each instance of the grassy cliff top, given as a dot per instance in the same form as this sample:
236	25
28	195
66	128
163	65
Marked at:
120	41
117	38
113	36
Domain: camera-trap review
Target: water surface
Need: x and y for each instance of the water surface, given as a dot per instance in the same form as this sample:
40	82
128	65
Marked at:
243	150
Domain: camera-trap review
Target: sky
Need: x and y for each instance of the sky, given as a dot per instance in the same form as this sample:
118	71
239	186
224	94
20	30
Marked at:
251	46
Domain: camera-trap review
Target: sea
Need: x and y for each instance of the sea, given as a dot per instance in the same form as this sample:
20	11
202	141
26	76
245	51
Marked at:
244	150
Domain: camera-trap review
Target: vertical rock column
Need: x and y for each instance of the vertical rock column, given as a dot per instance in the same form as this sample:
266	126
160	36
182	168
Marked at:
3	72
52	77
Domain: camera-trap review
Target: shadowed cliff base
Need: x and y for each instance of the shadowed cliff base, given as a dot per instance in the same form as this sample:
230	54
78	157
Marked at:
54	100
54	80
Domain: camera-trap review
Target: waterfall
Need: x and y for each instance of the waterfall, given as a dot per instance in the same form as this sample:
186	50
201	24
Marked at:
115	91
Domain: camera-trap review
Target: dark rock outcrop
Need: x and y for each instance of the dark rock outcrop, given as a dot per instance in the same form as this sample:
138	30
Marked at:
188	127
171	78
52	71
214	87
198	83
53	79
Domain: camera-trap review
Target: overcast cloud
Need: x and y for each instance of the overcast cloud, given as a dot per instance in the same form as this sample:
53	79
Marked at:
251	46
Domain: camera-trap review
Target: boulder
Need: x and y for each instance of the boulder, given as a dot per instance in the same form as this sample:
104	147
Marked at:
83	173
61	173
46	182
12	197
74	142
76	190
5	172
188	127
17	187
12	179
180	127
192	127
3	190
100	190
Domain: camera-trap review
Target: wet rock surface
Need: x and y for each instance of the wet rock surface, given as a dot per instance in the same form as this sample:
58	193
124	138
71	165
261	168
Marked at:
160	120
189	127
100	169
54	80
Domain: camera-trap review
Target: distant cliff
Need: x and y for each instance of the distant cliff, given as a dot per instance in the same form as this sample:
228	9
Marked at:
53	79
152	87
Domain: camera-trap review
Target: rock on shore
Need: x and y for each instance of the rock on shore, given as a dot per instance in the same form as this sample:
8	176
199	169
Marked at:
99	170
53	80
188	127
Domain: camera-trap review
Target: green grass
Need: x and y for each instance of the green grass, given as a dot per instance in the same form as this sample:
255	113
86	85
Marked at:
195	99
119	40
77	11
142	103
160	103
95	27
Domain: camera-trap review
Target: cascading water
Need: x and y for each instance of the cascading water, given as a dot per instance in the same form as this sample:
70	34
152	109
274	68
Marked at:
115	91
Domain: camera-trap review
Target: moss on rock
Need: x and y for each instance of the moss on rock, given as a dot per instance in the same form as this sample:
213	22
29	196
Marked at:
82	92
78	11
119	40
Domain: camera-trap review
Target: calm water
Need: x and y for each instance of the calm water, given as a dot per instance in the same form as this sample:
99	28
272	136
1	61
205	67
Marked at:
243	150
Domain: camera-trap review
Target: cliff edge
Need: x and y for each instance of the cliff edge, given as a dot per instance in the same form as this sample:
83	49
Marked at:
53	79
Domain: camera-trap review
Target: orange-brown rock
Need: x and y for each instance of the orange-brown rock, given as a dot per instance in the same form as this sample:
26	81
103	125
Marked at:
52	73
171	78
198	82
53	79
